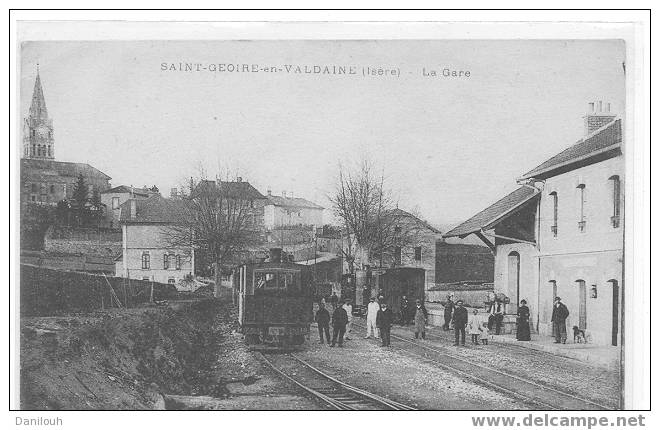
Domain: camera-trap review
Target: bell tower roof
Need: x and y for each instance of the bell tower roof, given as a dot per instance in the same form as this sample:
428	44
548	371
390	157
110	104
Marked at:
38	109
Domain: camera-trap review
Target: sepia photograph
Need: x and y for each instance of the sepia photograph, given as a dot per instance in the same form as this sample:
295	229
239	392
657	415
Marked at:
362	224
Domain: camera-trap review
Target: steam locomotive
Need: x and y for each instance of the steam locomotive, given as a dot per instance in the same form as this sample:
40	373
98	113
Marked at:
275	302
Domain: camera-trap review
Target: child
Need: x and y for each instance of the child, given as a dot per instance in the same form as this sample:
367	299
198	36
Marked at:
484	333
474	326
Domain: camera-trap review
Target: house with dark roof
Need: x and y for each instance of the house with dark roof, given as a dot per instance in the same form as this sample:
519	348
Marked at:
287	211
150	250
114	197
560	234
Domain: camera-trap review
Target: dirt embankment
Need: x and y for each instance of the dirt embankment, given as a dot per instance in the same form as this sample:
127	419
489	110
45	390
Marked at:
127	359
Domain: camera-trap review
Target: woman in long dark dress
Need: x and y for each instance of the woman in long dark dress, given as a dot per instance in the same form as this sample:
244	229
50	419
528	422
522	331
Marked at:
522	327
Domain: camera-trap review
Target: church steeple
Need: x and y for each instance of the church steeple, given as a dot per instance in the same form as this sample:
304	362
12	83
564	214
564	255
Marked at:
38	106
38	141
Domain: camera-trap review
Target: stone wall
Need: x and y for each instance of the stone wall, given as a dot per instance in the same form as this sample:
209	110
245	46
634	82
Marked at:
86	241
51	292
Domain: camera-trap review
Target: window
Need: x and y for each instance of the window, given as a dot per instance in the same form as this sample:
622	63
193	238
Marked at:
582	222
166	261
418	253
146	279
146	260
34	188
555	214
289	281
33	198
115	203
178	262
52	189
397	255
171	281
265	280
615	219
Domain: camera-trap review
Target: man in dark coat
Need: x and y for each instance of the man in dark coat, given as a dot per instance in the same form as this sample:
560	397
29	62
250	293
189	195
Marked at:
405	310
339	320
449	310
384	320
559	315
322	318
460	321
334	299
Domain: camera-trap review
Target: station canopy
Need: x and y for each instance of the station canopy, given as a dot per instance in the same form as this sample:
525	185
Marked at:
493	214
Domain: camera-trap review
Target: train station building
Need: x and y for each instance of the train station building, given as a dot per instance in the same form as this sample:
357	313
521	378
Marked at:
561	234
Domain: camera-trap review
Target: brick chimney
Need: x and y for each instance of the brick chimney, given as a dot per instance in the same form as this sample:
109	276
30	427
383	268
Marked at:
598	115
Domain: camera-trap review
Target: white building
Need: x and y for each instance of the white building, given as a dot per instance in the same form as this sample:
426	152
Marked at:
561	234
282	212
147	251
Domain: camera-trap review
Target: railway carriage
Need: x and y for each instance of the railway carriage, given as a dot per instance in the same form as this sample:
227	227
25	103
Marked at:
275	302
393	284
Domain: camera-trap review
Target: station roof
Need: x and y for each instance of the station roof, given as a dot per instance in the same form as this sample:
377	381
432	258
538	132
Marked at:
605	139
494	213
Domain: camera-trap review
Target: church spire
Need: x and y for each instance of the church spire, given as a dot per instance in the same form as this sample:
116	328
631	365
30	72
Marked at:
38	109
38	140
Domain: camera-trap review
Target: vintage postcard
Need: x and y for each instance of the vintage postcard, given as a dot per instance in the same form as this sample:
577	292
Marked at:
348	223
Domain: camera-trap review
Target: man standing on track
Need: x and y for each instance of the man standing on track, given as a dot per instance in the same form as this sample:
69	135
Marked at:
322	319
421	316
339	320
449	310
460	321
372	311
384	320
349	313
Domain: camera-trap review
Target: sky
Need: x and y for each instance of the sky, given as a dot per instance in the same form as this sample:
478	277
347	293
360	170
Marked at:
448	146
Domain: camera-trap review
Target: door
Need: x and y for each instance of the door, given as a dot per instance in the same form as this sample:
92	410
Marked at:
615	312
582	316
514	279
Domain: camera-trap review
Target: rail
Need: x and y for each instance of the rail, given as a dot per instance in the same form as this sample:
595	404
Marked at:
523	389
335	393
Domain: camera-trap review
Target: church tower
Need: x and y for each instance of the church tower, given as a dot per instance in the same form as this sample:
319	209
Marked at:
38	141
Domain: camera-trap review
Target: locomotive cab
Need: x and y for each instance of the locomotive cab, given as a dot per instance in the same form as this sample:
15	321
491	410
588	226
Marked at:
274	303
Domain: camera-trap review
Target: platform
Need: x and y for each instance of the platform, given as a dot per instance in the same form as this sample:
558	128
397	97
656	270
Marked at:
597	355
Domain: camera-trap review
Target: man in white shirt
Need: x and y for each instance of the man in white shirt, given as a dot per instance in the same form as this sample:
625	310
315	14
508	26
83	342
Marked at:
349	311
372	311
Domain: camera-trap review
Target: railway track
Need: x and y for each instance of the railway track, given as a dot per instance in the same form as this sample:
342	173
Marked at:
524	389
331	391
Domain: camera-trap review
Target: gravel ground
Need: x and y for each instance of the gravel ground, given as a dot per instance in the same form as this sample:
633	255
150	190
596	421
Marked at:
396	374
575	377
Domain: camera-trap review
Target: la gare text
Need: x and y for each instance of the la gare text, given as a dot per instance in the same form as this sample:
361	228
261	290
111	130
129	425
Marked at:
445	73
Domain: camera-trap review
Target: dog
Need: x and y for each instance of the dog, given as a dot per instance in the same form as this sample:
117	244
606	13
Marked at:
578	335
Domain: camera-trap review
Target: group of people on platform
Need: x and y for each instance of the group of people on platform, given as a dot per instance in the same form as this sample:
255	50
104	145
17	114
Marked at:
380	319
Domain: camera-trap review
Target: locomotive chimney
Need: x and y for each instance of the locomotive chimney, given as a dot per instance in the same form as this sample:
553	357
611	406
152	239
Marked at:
275	255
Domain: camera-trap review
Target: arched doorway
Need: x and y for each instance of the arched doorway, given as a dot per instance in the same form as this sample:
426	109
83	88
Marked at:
514	277
615	311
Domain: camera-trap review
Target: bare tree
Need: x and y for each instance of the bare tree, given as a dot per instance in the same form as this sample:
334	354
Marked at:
374	226
221	219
